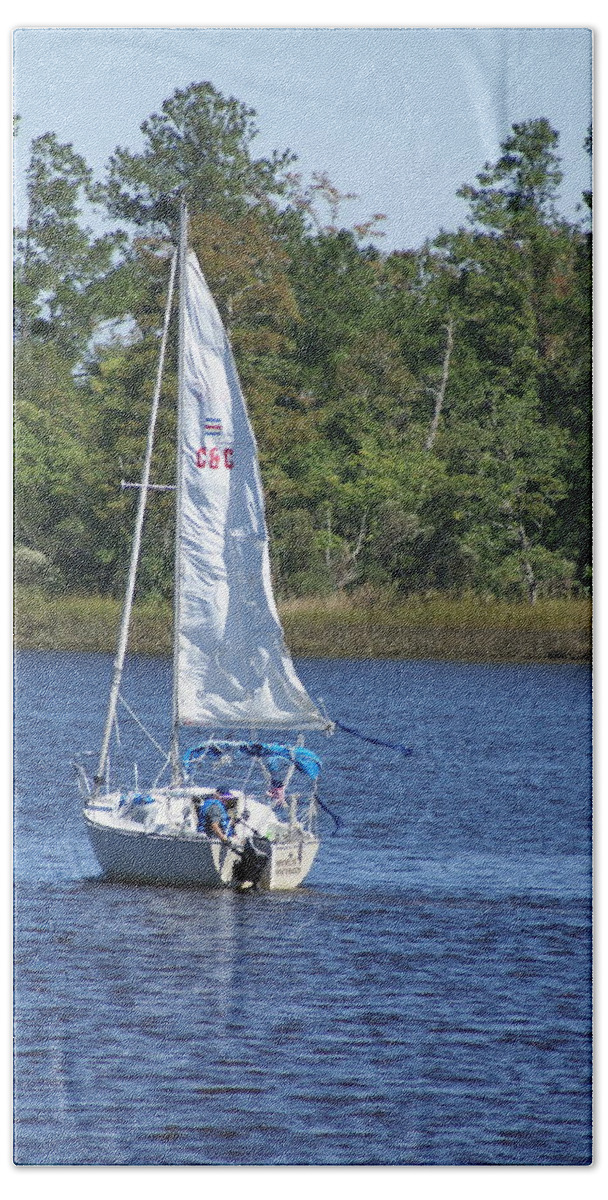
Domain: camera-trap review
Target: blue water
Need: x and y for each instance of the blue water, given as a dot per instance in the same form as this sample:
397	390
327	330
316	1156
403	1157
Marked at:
424	998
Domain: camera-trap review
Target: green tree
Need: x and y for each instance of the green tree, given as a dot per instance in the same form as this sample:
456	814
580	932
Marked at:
200	142
120	386
60	267
246	268
422	417
335	288
503	431
54	463
518	193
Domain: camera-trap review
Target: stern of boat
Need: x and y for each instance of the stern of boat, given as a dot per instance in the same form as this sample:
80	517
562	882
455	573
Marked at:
289	864
157	841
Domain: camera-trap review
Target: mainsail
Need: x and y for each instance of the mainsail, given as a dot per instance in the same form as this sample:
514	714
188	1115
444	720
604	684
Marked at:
233	668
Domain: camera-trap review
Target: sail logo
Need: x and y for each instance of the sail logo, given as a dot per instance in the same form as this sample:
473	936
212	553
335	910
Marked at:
214	458
213	425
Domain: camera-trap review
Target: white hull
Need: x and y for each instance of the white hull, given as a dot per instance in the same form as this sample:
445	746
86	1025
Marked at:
148	851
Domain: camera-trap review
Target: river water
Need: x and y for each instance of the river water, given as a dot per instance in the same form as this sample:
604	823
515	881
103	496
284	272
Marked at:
425	997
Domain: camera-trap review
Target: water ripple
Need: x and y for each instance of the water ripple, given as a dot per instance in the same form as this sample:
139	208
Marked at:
424	999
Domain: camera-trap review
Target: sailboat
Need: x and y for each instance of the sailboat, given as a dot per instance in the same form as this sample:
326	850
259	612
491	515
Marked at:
234	682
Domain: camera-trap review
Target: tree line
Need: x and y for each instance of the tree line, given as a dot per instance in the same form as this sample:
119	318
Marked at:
422	416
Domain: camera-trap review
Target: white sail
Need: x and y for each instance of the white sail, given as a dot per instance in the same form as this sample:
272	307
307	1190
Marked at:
233	669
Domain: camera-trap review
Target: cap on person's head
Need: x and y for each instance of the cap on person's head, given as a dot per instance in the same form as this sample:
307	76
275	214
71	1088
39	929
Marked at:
226	796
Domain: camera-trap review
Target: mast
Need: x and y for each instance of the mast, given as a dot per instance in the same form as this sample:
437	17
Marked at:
139	521
176	771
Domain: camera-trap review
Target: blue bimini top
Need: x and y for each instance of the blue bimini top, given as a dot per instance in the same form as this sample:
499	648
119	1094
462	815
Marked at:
277	756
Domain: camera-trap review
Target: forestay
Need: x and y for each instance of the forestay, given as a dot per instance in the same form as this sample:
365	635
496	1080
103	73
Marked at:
233	669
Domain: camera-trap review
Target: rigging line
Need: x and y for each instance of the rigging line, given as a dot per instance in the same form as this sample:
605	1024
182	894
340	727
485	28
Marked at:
252	767
161	772
143	729
125	620
334	816
363	737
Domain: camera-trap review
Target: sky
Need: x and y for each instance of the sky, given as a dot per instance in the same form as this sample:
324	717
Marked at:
401	117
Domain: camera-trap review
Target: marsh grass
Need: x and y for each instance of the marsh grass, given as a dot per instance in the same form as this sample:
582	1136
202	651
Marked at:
70	622
439	611
364	625
467	628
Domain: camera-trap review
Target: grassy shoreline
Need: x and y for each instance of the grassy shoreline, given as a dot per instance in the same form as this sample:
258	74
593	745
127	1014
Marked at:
467	629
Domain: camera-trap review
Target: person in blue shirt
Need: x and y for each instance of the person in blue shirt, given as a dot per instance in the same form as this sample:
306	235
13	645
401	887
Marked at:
214	814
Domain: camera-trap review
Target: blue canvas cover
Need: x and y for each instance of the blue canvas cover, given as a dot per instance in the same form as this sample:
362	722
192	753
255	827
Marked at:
277	756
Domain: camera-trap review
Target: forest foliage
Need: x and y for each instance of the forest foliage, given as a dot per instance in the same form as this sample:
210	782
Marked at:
423	416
